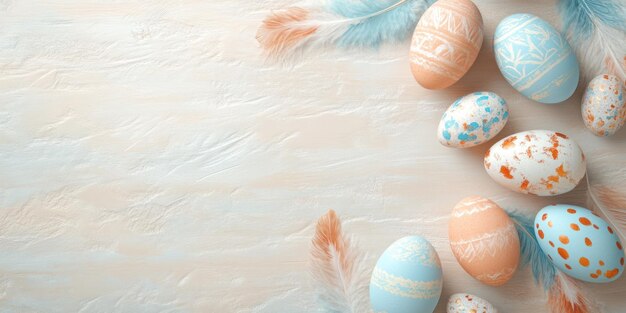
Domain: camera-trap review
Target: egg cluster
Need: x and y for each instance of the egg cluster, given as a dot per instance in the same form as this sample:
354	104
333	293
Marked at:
538	62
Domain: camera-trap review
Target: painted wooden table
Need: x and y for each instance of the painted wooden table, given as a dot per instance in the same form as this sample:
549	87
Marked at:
152	161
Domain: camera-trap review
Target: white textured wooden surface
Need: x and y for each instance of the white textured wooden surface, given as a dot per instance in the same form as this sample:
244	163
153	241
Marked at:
151	161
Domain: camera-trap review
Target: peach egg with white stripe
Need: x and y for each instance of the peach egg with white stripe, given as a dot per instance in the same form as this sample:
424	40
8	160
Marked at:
445	43
484	240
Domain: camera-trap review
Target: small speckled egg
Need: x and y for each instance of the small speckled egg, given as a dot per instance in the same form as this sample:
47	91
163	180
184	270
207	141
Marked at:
407	278
472	120
445	43
484	240
538	162
579	243
535	59
604	105
466	303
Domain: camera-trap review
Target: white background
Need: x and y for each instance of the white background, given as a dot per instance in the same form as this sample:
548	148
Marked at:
152	161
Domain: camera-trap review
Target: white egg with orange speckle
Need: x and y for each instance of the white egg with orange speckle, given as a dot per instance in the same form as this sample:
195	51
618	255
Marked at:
538	162
466	303
604	105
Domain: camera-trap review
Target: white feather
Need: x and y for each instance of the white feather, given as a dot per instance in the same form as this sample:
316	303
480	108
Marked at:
612	210
338	269
340	293
606	189
569	287
605	41
597	31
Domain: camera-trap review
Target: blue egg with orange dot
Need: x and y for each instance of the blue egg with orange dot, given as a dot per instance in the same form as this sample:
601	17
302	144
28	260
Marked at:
580	243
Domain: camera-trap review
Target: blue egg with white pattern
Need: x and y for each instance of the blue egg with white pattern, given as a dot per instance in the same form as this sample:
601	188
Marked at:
407	278
535	59
473	119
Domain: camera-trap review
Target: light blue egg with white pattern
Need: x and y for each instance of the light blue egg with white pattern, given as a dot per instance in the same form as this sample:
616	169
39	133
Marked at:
472	120
407	278
535	59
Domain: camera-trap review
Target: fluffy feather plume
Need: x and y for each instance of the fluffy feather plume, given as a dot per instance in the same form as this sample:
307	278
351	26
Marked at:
596	29
564	294
610	204
338	270
347	23
542	268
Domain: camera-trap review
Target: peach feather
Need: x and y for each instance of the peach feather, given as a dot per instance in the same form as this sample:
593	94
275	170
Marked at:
337	268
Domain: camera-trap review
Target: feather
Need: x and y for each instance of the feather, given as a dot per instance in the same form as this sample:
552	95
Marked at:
610	204
531	254
596	29
564	294
338	269
345	23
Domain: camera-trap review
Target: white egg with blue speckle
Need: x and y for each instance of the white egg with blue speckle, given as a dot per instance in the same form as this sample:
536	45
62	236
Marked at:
472	120
407	278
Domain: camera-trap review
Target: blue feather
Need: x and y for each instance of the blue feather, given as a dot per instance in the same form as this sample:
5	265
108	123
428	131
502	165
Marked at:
395	25
597	31
344	23
580	14
543	270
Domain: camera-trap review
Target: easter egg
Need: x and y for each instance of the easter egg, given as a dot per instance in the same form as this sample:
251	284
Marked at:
472	120
538	162
407	278
484	240
466	303
604	105
445	43
579	243
535	59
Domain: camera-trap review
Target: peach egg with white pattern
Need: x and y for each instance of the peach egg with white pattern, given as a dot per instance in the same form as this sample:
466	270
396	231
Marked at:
538	162
445	43
484	240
